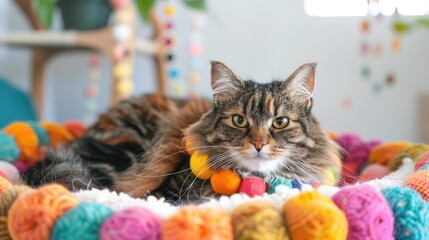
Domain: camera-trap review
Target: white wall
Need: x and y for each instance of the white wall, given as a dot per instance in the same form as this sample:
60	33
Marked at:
266	39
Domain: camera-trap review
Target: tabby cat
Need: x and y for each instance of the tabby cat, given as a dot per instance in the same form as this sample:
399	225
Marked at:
137	147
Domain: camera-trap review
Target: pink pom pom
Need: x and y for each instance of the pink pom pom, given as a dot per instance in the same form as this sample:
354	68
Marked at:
132	224
253	186
373	171
367	212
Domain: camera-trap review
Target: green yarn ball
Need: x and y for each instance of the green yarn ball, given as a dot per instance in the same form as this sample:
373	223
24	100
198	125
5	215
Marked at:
274	182
82	222
41	133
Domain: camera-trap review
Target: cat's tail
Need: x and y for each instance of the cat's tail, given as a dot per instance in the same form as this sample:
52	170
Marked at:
85	164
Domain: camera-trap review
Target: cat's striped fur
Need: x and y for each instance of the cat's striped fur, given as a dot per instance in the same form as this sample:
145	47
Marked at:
137	147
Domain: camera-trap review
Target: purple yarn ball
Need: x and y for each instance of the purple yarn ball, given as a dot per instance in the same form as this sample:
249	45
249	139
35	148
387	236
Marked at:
347	141
134	223
357	151
367	212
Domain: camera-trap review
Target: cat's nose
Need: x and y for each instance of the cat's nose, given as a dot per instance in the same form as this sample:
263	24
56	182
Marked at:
259	144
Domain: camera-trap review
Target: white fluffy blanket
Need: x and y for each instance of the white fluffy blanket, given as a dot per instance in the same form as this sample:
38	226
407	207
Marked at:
164	210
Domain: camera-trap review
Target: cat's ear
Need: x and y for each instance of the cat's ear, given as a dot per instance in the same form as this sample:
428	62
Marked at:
302	81
225	83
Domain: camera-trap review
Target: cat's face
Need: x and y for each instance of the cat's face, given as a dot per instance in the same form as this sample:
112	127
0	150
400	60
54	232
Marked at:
264	129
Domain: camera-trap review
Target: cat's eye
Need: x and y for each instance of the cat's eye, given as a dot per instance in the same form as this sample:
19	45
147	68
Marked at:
239	121
281	122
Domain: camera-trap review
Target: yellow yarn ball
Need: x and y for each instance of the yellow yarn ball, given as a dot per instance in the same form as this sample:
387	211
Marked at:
200	167
258	220
384	152
312	215
225	182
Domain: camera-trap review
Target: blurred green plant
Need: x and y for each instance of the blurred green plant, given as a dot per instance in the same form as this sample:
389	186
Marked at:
403	27
46	8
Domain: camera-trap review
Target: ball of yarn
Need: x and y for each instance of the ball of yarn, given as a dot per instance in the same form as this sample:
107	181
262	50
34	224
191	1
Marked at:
368	213
359	153
59	136
410	212
253	186
200	167
192	222
82	222
7	198
132	224
76	128
311	215
10	172
277	181
347	140
258	220
421	160
9	150
22	167
419	181
26	139
384	152
4	184
348	173
41	133
412	152
373	171
33	214
225	182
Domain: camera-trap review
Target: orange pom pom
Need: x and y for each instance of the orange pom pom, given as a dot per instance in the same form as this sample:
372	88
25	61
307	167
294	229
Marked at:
198	223
34	214
26	139
419	181
312	215
76	128
4	184
225	182
384	152
59	136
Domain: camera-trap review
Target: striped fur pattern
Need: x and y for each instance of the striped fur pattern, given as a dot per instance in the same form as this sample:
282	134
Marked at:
137	147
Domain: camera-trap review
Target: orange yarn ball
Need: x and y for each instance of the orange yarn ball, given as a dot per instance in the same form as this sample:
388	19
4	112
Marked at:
419	181
311	215
76	128
384	152
26	139
4	184
34	214
225	182
58	135
192	222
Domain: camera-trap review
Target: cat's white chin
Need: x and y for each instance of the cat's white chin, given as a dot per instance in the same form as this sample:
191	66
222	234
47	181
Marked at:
262	165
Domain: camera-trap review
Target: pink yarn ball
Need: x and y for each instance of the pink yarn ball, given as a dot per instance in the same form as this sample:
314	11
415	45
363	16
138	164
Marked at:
357	151
367	212
421	160
373	171
22	167
134	223
253	186
346	141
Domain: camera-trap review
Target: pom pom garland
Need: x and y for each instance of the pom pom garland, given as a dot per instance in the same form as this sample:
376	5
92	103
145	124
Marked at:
225	182
253	186
200	167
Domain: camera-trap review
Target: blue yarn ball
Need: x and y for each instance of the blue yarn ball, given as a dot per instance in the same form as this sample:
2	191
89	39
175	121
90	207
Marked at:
41	133
82	222
411	213
273	183
9	151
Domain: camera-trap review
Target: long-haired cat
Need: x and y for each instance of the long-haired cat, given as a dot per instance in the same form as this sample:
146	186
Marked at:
138	146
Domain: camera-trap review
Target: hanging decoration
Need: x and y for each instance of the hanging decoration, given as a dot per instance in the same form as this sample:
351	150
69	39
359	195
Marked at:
92	89
195	52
